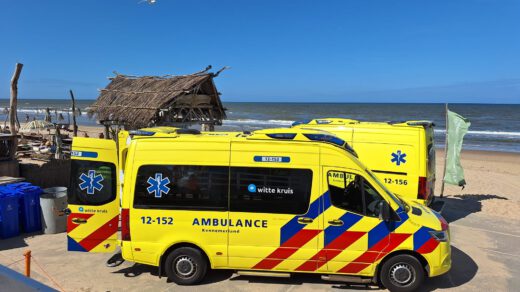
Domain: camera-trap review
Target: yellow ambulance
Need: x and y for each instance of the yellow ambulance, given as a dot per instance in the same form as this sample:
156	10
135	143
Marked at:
401	154
267	203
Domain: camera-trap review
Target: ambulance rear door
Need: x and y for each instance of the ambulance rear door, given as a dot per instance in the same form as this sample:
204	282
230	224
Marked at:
93	196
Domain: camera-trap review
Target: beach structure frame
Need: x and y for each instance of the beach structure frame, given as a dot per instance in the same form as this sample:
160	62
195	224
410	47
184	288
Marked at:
182	100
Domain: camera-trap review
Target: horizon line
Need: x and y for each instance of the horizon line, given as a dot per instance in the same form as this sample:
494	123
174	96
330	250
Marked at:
293	102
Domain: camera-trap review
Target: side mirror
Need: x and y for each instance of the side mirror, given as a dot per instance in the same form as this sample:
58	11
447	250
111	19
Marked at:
384	211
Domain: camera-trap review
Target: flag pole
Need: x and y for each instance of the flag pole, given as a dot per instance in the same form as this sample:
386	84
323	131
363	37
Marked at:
445	151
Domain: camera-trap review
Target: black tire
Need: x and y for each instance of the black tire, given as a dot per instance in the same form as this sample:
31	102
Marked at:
402	273
186	266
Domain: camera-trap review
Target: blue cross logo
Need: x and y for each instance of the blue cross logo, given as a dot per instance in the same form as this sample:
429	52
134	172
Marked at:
91	182
398	157
158	185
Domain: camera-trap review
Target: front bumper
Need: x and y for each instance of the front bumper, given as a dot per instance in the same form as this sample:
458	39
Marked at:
444	263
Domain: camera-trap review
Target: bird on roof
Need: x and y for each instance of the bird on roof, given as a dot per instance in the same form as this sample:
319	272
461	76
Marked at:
151	2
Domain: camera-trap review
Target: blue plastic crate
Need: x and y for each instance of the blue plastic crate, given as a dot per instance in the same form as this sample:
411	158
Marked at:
29	205
9	214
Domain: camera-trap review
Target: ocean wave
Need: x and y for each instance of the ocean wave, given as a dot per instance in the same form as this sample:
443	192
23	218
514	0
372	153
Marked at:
253	122
487	133
32	111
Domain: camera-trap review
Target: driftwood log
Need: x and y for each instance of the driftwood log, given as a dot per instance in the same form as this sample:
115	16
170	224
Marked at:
13	105
75	125
14	98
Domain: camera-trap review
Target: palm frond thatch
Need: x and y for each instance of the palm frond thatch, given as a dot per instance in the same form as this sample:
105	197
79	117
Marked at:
151	100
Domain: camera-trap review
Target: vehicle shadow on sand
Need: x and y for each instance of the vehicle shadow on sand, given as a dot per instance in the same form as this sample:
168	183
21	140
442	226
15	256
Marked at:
463	269
300	279
461	206
213	276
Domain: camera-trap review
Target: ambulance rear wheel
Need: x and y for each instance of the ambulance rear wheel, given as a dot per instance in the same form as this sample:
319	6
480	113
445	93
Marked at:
186	266
402	273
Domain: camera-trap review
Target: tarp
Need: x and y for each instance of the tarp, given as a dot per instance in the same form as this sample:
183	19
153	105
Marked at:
457	127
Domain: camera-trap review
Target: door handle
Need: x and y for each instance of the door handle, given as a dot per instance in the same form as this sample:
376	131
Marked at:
336	222
305	220
79	220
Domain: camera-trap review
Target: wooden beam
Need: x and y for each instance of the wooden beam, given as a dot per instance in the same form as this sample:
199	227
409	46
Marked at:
75	125
13	105
14	98
107	131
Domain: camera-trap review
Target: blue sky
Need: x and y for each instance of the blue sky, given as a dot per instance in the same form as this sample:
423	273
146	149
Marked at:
334	51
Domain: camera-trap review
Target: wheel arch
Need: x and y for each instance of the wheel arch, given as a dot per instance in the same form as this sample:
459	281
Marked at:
174	246
415	254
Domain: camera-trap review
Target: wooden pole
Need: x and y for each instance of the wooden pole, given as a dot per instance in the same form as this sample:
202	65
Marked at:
27	256
13	105
58	142
107	131
445	151
75	125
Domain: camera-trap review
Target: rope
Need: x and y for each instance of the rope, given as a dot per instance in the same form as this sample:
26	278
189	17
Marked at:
47	274
6	257
14	262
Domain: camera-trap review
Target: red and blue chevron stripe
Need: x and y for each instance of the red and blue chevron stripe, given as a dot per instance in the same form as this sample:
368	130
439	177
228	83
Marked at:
293	235
316	208
93	239
337	239
381	241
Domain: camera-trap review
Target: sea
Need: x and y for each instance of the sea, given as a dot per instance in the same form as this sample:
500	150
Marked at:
494	127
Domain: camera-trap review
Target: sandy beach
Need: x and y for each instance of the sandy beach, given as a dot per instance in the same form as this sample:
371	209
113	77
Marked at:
493	183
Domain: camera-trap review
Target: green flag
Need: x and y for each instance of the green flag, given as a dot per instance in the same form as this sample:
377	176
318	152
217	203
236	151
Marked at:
457	127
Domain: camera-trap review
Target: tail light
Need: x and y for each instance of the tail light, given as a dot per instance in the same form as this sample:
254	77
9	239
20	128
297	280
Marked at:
125	224
423	191
444	223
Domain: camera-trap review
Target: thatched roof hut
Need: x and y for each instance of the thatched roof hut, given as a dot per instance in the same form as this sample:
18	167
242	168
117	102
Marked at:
168	100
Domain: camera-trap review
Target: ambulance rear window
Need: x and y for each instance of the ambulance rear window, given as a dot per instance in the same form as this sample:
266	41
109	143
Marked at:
187	187
92	183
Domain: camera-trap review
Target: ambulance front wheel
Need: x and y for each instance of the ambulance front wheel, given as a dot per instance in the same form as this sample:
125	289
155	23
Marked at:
186	266
402	273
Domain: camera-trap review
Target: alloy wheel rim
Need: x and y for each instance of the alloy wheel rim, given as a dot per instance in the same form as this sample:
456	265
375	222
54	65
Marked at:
402	274
184	267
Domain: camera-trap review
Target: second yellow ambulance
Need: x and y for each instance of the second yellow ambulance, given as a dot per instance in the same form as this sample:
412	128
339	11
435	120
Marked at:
401	154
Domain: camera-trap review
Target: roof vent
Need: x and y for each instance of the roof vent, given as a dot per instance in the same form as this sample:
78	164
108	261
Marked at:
325	138
283	136
141	133
188	131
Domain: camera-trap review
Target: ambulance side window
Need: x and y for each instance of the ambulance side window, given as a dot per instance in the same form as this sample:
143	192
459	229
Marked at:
92	183
187	187
270	190
351	192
